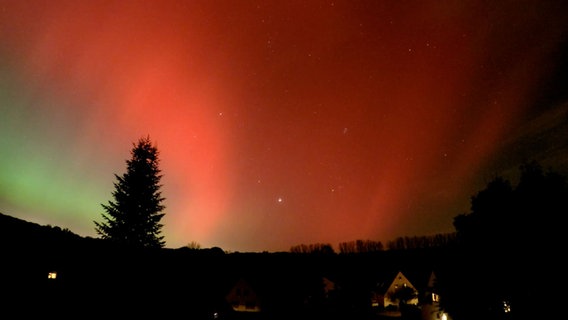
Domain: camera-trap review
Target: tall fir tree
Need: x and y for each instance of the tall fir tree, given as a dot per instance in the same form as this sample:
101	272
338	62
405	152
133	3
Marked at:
133	218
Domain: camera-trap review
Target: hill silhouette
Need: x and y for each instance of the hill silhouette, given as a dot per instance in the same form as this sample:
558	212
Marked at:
18	232
96	277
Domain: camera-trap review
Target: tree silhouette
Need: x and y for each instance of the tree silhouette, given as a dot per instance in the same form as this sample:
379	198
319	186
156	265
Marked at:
507	228
133	218
520	218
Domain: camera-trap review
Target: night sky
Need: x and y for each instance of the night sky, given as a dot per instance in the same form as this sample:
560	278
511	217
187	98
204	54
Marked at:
278	122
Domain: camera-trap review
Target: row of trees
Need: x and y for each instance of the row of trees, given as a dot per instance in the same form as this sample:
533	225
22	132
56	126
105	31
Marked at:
367	246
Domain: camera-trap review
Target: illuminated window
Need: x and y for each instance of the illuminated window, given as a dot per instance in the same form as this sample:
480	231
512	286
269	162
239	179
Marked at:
435	297
52	275
506	307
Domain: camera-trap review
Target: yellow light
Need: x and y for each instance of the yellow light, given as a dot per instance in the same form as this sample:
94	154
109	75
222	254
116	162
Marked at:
506	307
52	275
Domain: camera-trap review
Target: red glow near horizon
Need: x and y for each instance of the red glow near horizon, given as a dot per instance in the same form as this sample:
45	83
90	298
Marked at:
280	124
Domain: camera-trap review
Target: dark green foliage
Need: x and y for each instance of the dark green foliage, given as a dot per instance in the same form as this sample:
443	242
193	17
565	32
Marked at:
133	218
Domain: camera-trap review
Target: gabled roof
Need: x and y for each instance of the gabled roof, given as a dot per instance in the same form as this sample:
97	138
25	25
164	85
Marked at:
420	279
243	285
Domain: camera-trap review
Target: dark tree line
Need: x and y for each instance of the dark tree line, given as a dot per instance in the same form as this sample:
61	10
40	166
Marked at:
442	240
314	248
360	246
510	247
368	246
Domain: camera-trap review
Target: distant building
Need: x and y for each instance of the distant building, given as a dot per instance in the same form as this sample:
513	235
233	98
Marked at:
381	297
243	298
431	301
328	287
427	300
